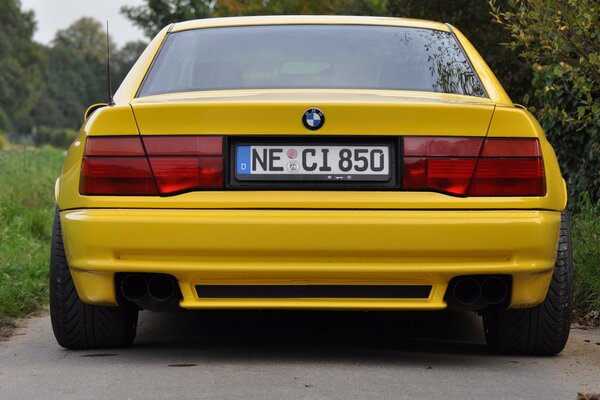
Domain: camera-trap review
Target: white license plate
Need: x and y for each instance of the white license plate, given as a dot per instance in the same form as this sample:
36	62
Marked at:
318	162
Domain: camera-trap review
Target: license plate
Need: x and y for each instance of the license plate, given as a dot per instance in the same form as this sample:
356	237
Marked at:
313	163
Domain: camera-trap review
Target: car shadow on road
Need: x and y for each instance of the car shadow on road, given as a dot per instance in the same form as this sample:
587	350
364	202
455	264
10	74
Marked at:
191	338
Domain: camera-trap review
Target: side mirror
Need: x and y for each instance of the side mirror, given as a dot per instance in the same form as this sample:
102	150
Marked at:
91	109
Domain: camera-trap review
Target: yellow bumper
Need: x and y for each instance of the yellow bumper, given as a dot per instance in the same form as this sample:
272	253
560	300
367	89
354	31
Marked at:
311	247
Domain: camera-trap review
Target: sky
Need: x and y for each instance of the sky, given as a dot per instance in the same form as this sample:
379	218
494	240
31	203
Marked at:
53	15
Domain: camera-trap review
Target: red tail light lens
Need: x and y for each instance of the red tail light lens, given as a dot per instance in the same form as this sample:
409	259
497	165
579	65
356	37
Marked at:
114	146
116	165
183	145
116	176
449	175
444	164
178	174
506	167
442	147
119	165
507	177
182	163
511	148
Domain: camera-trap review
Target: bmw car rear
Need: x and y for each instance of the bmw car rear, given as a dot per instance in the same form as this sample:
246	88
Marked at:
335	163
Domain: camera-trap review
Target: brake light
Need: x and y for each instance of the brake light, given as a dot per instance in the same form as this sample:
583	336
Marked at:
119	165
474	166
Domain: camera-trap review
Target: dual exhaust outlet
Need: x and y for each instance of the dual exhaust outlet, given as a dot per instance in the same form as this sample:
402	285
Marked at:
470	292
151	291
477	292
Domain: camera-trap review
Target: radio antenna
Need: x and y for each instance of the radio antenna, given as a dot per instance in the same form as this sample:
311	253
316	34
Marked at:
108	80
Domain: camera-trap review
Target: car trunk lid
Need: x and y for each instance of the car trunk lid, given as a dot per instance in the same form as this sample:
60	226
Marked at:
279	112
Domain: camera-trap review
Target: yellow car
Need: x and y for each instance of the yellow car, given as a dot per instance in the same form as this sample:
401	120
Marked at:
311	162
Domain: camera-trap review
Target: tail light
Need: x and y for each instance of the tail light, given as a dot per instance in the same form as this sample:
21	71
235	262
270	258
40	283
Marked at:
474	166
182	163
163	165
119	165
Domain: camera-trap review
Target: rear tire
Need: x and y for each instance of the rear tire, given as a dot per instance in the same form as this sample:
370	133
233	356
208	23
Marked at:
77	325
544	329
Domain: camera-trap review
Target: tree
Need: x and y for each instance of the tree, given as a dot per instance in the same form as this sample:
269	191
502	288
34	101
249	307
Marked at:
21	63
156	14
123	59
75	76
561	42
272	7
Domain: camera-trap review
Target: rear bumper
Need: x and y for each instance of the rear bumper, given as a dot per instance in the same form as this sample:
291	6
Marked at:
311	247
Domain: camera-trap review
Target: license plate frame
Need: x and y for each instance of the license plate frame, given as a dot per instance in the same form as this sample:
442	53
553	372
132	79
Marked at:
299	182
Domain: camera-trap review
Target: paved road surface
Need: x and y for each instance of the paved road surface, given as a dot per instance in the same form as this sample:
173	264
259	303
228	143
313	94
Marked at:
294	355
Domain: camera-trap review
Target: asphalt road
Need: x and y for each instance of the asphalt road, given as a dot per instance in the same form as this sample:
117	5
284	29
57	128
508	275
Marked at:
295	355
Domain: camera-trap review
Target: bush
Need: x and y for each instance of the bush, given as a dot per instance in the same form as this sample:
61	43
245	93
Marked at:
4	143
4	121
586	248
57	137
561	41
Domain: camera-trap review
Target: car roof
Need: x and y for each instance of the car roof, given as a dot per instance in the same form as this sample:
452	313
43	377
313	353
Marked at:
306	19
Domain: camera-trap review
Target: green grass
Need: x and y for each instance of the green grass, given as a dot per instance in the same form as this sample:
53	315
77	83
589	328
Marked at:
586	252
26	207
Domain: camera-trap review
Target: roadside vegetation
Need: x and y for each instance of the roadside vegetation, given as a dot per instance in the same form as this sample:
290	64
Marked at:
586	247
27	178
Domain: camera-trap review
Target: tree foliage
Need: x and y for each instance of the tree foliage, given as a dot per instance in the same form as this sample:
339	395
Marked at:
156	14
124	58
561	42
75	77
21	63
296	7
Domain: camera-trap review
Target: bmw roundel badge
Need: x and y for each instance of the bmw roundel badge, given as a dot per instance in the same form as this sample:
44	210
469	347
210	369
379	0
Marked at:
313	119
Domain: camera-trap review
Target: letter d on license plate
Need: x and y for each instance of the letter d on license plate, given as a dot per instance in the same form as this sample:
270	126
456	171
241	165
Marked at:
312	163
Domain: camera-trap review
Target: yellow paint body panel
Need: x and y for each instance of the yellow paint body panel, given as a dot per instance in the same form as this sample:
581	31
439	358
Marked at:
310	237
286	247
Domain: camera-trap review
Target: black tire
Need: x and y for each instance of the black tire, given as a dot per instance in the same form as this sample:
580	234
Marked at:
544	329
77	325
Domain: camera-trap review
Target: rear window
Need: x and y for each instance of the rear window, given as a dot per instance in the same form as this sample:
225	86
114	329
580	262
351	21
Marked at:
312	56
